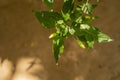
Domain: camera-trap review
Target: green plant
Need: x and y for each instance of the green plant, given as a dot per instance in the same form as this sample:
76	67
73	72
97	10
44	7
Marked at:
73	20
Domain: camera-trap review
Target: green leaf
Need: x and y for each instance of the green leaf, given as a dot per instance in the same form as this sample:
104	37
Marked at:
76	17
88	35
68	6
87	40
67	9
58	47
91	35
48	19
49	3
103	38
88	8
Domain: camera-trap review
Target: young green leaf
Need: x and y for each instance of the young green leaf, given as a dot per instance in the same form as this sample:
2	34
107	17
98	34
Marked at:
103	38
63	30
90	40
49	3
90	44
48	19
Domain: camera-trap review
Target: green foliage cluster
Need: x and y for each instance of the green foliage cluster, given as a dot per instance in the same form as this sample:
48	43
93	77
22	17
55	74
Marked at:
73	20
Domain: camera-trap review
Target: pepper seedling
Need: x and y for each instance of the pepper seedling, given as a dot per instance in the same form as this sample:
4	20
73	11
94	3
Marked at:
72	21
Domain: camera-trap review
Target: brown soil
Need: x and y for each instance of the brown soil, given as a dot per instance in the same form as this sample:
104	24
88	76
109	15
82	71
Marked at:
24	40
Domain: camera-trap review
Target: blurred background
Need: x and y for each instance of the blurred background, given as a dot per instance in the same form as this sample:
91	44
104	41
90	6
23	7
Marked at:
24	43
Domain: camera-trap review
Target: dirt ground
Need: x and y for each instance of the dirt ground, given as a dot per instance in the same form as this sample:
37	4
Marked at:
23	41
